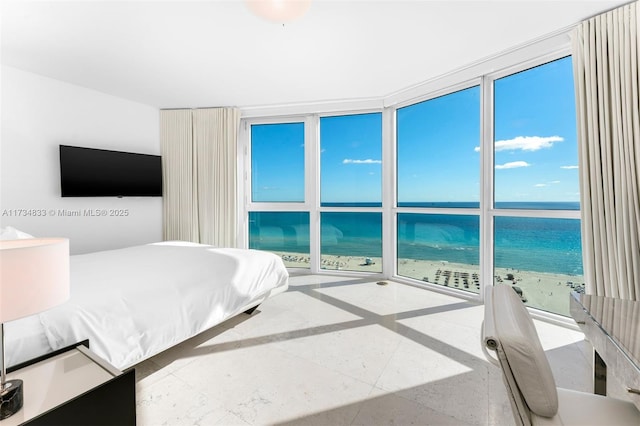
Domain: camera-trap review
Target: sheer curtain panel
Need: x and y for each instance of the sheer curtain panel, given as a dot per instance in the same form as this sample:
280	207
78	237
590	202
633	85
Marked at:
178	174
605	58
199	168
215	135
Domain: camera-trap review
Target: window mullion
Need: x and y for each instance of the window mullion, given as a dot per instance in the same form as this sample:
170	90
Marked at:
486	192
389	225
312	190
243	185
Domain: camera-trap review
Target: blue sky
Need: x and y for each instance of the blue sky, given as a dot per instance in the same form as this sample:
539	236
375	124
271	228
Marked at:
437	161
351	158
277	162
438	147
535	131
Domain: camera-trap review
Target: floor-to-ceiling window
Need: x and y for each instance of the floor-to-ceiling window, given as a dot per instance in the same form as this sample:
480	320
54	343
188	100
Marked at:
537	248
438	190
351	192
485	187
279	219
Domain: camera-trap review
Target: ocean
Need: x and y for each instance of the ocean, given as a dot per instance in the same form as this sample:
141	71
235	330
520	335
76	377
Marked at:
532	244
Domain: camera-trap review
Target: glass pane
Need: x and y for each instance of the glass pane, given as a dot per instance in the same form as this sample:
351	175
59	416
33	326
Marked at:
351	241
438	151
274	146
440	249
284	233
351	160
541	258
536	155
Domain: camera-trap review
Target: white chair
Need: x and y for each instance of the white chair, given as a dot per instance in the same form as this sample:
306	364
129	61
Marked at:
508	330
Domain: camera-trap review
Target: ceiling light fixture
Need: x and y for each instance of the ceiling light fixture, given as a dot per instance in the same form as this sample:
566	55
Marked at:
280	11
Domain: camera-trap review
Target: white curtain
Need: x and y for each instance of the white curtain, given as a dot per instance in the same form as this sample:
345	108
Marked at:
199	168
178	174
605	58
215	135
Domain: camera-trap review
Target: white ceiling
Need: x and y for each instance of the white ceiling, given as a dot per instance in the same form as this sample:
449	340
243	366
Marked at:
178	54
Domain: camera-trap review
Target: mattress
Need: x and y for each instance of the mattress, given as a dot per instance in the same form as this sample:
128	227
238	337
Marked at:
135	302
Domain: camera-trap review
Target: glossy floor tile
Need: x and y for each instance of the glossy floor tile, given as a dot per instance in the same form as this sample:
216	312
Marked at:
344	351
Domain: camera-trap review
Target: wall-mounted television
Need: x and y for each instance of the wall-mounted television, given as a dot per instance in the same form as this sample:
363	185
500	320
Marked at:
90	172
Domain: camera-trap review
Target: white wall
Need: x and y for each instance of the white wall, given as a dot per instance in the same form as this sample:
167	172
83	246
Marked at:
38	114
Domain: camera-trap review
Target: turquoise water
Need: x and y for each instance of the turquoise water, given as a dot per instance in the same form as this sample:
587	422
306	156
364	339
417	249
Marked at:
532	244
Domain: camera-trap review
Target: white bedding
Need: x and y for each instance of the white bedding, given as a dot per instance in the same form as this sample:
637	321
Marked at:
135	302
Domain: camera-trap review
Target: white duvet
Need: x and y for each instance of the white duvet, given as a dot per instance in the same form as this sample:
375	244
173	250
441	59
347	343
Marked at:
135	302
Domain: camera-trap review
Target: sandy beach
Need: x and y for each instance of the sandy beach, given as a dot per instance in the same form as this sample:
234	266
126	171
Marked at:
546	291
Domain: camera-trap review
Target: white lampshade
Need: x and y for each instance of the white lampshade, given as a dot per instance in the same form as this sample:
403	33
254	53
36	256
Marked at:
279	11
34	276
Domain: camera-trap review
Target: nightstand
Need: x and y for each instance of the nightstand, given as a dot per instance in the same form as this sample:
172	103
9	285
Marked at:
73	386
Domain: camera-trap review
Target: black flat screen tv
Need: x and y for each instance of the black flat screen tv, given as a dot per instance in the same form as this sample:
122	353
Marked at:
90	172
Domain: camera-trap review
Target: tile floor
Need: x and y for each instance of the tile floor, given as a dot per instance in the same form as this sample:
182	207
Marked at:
344	351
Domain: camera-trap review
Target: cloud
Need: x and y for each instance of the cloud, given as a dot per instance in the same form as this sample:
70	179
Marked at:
512	165
525	143
367	161
541	185
568	167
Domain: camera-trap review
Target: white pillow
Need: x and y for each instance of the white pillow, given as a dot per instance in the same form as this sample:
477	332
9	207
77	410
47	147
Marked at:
11	233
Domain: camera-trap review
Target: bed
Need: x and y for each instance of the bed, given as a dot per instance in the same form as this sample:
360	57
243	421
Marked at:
135	302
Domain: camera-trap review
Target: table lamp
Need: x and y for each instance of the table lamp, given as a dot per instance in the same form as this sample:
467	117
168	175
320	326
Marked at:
34	276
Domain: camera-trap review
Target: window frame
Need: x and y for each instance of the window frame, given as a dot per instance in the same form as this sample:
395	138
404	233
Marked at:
244	178
316	267
473	211
483	73
490	212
